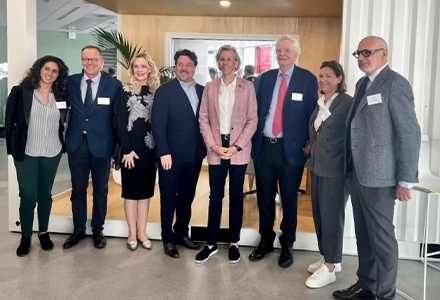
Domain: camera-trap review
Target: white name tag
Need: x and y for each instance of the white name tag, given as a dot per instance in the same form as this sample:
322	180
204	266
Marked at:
61	105
103	101
297	97
374	99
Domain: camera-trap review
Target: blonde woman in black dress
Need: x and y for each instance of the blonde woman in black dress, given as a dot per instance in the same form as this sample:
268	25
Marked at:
138	171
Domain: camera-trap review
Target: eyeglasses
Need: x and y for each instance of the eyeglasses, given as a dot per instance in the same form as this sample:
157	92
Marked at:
86	60
365	52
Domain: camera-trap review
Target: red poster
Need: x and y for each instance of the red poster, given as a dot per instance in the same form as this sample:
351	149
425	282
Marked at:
264	58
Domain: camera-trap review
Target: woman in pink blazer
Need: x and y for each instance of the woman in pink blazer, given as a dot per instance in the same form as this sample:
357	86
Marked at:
228	120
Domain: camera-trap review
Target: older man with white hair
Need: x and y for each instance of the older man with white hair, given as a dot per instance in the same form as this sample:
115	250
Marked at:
286	98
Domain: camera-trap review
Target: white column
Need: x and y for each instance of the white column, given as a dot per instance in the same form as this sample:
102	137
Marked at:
22	52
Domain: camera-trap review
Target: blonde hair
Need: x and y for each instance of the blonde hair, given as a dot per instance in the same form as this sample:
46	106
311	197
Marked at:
153	78
233	50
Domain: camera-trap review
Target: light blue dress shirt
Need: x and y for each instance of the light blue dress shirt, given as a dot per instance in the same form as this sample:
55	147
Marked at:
267	132
94	85
190	91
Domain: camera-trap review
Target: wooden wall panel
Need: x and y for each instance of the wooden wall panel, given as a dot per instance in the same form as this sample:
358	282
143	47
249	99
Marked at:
319	37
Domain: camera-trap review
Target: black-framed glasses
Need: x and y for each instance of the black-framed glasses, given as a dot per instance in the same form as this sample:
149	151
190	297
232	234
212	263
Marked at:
365	52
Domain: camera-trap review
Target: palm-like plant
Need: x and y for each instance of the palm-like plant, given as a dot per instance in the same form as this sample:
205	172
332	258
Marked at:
115	39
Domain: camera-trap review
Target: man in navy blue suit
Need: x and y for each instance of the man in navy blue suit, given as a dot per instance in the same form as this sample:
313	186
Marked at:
180	147
286	98
90	142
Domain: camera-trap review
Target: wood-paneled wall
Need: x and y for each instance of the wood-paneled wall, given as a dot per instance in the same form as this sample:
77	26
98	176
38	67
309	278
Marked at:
319	37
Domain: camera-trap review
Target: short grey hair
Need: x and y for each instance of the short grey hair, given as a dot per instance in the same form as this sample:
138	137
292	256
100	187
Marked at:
295	42
233	50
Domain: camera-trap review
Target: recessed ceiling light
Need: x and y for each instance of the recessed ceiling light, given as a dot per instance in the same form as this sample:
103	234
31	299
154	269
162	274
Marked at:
225	3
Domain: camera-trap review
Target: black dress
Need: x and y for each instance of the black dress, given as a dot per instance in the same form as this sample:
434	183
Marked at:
133	122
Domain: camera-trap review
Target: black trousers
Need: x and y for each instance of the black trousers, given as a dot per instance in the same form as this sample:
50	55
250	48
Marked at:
271	167
177	190
81	162
217	181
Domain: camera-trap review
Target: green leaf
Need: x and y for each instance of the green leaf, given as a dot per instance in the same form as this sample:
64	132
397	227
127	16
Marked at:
115	39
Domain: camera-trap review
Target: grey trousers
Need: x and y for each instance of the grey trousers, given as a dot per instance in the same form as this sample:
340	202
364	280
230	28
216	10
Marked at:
329	197
373	210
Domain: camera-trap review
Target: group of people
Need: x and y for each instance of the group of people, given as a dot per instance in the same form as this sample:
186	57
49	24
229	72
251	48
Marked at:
366	146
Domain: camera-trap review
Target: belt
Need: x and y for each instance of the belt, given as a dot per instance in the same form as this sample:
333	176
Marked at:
273	140
225	137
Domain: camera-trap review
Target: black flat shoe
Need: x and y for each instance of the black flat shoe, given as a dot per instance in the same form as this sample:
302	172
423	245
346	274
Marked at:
186	242
45	241
24	247
74	239
286	257
354	292
171	250
99	239
260	252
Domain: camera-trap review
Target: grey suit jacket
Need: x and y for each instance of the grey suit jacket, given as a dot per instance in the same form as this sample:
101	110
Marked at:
327	153
385	137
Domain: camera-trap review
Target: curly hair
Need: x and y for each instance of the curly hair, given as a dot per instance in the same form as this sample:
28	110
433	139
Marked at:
32	77
153	78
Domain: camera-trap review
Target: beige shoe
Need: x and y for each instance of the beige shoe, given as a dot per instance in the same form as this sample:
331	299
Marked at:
132	245
146	244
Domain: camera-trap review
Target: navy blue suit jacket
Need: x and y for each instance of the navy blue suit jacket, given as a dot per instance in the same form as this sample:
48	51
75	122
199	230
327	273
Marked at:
98	123
176	129
296	114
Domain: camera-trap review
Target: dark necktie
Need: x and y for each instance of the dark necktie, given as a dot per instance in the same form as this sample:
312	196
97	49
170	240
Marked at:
361	93
88	101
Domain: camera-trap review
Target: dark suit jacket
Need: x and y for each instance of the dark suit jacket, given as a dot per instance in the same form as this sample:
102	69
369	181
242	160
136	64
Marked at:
175	127
327	155
296	114
98	123
18	112
255	80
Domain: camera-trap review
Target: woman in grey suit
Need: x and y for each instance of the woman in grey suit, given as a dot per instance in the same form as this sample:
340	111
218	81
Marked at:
326	164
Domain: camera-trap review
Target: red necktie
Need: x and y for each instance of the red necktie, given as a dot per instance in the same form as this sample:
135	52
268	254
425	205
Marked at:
277	125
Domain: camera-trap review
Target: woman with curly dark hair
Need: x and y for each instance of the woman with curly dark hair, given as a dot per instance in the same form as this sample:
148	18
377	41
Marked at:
35	114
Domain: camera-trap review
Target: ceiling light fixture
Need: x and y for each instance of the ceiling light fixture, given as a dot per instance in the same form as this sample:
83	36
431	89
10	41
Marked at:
225	3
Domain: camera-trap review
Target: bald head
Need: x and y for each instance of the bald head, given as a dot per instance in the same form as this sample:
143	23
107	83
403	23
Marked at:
378	56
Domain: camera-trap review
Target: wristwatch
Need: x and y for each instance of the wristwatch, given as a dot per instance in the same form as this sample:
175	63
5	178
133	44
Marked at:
238	148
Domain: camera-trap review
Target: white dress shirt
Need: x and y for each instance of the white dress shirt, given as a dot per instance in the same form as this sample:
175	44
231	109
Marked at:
226	104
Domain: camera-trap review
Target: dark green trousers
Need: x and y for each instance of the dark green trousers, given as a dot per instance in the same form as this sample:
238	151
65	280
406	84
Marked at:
35	177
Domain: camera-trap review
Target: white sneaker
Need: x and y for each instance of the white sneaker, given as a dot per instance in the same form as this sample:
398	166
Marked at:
321	278
316	265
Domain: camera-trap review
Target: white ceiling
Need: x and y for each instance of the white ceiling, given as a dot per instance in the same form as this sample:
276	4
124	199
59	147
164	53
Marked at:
68	16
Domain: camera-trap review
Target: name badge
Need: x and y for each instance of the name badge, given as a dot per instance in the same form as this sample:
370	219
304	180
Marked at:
61	105
374	99
297	97
103	101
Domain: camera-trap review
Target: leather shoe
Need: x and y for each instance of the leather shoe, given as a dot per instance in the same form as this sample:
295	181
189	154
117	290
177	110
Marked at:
186	242
354	292
286	257
260	252
171	250
74	239
99	239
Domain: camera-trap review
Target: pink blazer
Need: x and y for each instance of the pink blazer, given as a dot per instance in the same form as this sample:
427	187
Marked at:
243	124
